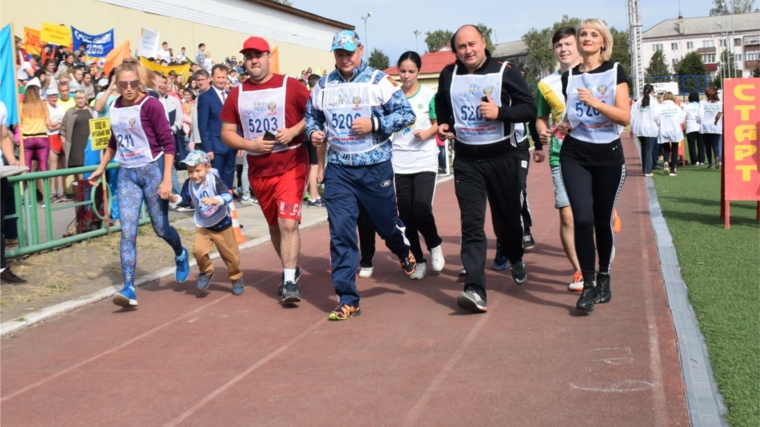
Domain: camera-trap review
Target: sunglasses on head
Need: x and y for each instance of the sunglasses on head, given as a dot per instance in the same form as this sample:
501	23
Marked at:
134	84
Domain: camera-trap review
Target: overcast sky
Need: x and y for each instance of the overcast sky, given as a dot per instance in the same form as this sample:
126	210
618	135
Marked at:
392	24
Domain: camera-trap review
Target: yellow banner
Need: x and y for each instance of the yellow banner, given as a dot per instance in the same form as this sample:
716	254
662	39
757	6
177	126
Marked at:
56	34
164	69
32	42
100	131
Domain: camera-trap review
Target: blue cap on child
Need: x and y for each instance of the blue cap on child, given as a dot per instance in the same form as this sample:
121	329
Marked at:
195	158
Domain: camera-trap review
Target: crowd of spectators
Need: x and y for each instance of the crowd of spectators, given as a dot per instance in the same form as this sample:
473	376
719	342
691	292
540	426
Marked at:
74	89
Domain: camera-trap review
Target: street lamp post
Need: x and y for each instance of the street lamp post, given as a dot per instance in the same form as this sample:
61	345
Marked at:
416	42
720	55
365	18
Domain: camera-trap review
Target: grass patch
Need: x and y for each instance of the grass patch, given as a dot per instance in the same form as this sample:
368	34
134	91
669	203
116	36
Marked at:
722	270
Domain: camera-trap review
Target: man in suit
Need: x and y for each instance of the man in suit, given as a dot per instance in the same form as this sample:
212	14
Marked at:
210	105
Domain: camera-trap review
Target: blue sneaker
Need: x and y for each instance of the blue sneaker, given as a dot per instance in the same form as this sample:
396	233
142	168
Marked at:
183	267
519	272
126	297
238	286
500	262
204	280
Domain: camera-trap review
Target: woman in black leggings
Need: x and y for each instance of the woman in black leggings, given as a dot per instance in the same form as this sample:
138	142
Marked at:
592	160
710	113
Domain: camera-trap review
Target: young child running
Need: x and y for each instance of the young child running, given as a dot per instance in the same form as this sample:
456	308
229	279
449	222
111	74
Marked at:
205	192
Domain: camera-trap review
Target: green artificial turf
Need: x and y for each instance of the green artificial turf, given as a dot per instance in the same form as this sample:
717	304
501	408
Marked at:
722	271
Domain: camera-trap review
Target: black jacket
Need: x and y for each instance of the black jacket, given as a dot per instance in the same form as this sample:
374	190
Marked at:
513	87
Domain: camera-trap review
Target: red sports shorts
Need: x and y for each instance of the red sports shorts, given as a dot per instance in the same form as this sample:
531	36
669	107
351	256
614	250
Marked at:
55	143
281	196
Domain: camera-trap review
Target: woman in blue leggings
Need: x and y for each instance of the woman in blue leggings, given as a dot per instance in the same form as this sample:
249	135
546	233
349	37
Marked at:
143	145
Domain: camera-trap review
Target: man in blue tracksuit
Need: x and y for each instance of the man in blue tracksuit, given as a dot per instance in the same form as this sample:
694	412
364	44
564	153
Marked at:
354	110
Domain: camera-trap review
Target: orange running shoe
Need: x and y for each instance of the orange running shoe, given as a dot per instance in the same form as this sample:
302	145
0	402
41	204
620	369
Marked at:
408	264
616	223
345	311
577	284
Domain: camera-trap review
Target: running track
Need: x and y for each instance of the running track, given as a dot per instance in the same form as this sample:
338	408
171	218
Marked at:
189	358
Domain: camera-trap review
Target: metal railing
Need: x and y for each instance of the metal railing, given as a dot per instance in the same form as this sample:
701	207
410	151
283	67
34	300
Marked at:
27	215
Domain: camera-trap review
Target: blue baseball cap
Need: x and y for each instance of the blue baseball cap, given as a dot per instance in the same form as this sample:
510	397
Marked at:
346	40
196	158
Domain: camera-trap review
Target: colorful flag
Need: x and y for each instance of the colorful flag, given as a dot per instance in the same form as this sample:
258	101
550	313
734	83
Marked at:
32	42
55	34
117	56
8	75
275	65
98	45
183	69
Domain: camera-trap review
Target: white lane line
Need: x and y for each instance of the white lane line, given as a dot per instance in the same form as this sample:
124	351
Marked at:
107	352
416	411
243	374
660	413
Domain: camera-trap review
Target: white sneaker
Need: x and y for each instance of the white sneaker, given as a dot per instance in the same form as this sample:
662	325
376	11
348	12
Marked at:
366	272
419	272
577	283
437	259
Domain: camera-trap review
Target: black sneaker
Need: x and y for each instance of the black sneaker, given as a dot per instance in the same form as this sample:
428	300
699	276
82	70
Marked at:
604	295
588	297
471	301
290	293
528	242
408	264
316	203
282	279
7	276
519	272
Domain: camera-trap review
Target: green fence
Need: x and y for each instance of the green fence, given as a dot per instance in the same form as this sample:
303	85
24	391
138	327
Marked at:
28	219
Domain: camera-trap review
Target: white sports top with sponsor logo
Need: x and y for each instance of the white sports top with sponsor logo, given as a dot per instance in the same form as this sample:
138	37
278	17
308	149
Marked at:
342	103
132	145
205	215
588	124
466	93
261	111
411	155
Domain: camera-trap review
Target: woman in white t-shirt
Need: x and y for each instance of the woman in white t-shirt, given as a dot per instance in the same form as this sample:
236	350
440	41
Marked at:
645	124
672	118
711	127
57	158
415	166
696	146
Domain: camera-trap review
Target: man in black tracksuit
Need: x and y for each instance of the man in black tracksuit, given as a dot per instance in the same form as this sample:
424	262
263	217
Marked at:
480	99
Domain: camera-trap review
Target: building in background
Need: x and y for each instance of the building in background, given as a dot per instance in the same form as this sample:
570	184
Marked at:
432	65
515	52
710	36
303	39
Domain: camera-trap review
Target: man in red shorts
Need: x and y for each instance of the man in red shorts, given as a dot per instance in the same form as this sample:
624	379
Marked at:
268	109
